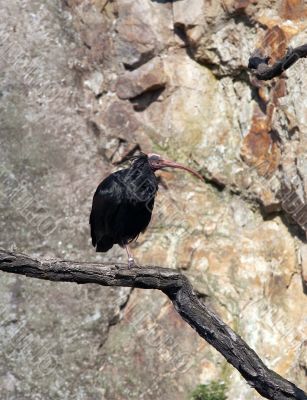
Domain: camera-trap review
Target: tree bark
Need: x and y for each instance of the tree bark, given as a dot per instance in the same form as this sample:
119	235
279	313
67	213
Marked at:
259	63
180	291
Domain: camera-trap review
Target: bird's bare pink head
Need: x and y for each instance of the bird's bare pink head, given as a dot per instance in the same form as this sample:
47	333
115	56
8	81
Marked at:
157	162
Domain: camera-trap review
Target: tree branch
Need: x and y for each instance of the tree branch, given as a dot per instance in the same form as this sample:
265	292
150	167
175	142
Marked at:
259	63
180	291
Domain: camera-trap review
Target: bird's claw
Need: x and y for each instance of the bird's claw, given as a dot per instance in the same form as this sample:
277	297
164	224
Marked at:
131	262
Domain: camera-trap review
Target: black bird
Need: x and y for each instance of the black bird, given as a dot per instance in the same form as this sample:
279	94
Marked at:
123	202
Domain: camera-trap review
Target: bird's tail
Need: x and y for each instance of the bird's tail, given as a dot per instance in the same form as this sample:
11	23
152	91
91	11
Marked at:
104	244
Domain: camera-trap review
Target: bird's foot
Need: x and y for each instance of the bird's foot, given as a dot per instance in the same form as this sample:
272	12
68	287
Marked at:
131	262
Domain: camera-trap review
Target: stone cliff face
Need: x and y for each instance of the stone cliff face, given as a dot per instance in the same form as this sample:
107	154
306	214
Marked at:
82	84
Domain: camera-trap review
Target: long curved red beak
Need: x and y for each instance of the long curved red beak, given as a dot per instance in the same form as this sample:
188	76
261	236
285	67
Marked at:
167	163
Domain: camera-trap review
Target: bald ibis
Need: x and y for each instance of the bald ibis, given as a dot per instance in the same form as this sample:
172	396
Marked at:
123	202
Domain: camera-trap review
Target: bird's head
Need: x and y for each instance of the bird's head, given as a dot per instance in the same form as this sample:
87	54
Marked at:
157	162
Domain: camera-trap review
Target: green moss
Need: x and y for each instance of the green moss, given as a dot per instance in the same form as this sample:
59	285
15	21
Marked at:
212	391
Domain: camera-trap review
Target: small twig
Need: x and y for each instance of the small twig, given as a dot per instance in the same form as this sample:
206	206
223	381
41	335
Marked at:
104	6
259	63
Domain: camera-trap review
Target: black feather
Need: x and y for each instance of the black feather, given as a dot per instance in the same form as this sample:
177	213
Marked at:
123	204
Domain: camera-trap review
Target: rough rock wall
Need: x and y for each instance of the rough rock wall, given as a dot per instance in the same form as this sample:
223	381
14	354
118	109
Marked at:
82	84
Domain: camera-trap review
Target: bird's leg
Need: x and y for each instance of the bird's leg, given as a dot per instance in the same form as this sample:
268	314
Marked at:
131	261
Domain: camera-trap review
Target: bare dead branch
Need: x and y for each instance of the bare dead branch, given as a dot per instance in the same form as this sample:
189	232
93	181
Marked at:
180	291
260	64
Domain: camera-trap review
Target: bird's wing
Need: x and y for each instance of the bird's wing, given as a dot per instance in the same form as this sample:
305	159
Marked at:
122	207
104	207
